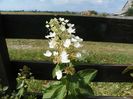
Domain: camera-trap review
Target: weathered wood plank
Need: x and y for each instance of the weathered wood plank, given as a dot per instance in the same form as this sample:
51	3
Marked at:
6	76
106	73
105	29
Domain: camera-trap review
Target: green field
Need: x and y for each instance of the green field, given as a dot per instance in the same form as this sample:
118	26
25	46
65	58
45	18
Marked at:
96	52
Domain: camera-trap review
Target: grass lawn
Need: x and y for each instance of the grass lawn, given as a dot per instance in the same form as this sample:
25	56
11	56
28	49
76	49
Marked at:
96	52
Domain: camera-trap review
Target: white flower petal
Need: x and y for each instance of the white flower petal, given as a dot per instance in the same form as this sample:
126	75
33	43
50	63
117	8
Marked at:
47	26
73	40
66	20
59	74
78	39
61	19
64	57
48	53
47	36
67	43
70	25
63	23
51	35
77	45
70	30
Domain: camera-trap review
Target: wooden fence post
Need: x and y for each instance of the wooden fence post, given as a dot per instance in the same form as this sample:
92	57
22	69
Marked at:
6	77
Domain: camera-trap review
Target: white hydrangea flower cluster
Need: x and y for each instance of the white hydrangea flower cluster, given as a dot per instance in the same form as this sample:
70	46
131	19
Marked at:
62	42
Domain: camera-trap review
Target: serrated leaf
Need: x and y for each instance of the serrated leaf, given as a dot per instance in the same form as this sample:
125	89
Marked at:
87	75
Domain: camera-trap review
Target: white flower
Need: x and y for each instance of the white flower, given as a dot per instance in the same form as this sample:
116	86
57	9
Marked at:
48	53
78	55
58	74
78	39
55	53
64	57
66	21
73	40
70	25
77	44
70	30
63	23
63	28
52	44
67	43
51	35
47	26
61	19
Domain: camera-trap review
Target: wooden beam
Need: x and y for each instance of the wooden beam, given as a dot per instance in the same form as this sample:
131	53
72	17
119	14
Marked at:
104	29
106	73
6	76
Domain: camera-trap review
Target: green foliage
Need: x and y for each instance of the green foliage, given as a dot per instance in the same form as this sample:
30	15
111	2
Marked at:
3	90
22	86
87	74
129	12
71	86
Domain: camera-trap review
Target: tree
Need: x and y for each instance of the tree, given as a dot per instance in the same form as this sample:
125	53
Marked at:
129	12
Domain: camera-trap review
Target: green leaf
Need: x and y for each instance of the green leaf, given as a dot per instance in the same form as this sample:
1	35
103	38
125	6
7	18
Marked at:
60	93
49	92
20	93
87	75
85	90
73	88
5	88
20	85
77	87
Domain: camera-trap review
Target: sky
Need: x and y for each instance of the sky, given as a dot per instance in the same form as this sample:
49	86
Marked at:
109	6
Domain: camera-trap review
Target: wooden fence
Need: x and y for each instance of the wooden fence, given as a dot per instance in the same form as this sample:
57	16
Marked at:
103	29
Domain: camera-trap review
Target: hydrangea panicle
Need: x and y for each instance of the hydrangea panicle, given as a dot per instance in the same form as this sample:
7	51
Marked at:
62	42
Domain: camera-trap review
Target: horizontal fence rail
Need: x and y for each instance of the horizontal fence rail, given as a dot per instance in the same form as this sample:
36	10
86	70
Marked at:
106	73
28	26
105	29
